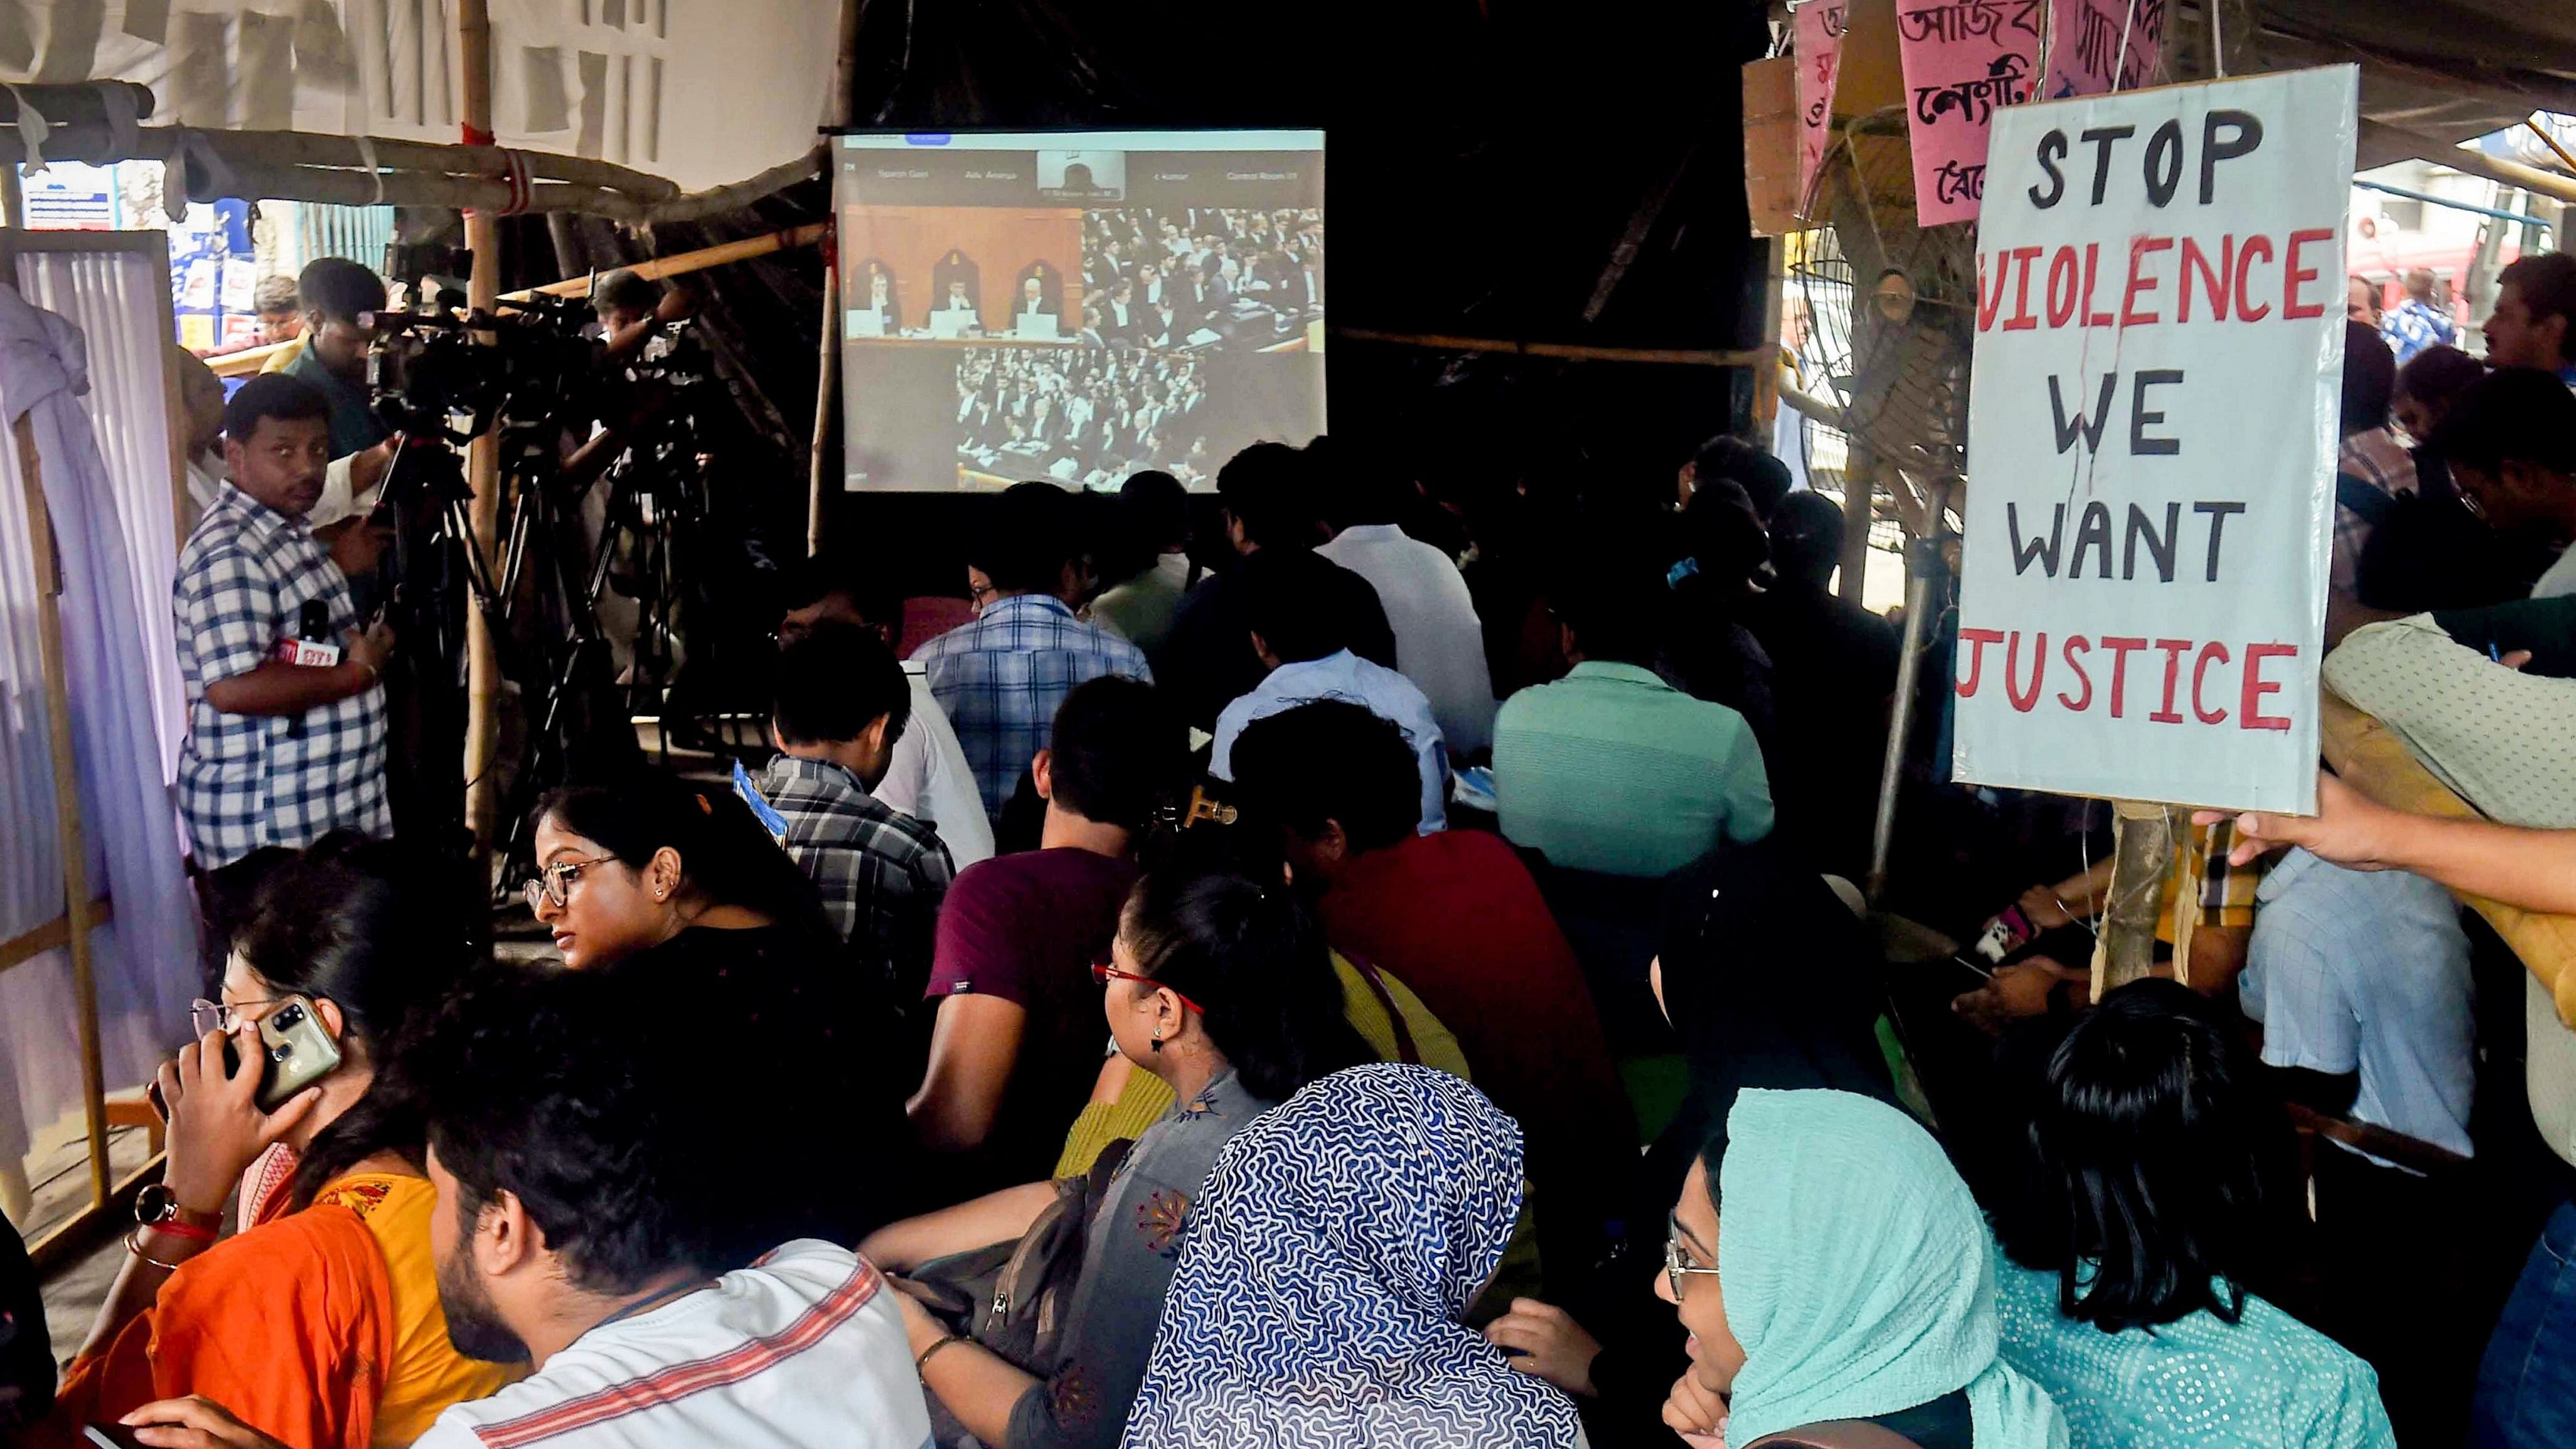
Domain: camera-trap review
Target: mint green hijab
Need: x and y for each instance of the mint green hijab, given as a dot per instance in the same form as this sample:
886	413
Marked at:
1858	1274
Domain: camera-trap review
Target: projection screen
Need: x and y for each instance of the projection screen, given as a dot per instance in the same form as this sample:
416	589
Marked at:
1076	306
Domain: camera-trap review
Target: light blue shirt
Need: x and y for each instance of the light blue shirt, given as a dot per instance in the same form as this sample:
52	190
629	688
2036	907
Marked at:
2368	971
1347	677
2266	1381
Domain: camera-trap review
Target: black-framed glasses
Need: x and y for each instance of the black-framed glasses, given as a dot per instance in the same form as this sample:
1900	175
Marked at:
1677	1262
552	885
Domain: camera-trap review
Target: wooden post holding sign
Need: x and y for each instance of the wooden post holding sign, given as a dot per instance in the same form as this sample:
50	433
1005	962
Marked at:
2152	427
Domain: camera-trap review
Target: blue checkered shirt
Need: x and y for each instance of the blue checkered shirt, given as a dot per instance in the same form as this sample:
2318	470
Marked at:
246	780
1000	678
882	873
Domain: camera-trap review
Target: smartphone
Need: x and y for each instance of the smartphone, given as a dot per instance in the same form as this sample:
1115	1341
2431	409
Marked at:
299	1051
111	1436
295	1053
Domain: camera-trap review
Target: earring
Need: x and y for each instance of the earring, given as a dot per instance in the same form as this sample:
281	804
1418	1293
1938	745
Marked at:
1158	1041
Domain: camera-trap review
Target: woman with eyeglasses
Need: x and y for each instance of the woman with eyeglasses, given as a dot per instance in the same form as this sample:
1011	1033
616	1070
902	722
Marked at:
679	889
1221	986
319	1322
1830	1265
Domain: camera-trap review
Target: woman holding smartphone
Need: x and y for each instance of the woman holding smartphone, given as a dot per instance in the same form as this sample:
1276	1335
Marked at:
319	1323
1222	987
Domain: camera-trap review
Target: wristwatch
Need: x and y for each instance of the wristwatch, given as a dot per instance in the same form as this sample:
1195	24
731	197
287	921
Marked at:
157	1207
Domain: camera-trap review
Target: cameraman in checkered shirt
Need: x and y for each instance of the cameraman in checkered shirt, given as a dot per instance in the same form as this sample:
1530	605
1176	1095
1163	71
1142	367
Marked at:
286	735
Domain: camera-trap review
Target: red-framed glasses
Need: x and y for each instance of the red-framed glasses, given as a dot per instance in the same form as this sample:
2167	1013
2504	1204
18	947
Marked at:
1104	973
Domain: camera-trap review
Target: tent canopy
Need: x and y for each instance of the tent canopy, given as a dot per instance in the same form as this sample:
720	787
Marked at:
700	92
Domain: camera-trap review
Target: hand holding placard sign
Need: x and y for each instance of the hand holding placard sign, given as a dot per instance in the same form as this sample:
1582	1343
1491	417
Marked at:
2151	442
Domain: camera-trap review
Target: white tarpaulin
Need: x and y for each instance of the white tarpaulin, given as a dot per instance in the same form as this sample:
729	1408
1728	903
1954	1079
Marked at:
704	92
2151	442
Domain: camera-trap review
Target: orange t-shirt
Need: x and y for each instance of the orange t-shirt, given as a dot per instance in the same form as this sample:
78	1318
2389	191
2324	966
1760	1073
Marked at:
320	1328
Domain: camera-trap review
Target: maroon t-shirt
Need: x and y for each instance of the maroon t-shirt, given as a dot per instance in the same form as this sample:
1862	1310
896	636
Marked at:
1456	916
1027	928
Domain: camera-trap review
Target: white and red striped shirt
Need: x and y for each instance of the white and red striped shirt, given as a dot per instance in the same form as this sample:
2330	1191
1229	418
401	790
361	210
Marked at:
802	1348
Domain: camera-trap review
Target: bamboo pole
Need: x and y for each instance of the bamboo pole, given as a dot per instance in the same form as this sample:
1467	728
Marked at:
682	263
2143	851
827	373
827	379
67	816
482	462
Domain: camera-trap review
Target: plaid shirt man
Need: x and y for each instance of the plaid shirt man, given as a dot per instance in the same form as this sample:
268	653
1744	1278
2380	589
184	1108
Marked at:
2374	456
1001	677
245	780
882	873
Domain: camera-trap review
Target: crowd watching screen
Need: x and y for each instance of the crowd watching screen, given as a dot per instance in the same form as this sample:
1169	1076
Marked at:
1076	306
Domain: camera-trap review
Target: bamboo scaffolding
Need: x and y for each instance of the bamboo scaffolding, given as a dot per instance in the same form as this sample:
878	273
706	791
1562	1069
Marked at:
302	166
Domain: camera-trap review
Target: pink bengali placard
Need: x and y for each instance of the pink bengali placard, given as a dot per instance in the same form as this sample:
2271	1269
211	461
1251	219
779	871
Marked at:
1819	48
1963	60
2091	39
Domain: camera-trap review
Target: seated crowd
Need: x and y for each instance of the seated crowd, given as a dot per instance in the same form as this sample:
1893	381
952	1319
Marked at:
1183	1006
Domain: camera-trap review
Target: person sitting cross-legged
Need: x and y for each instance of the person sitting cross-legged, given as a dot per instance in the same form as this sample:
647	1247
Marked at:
842	703
1310	658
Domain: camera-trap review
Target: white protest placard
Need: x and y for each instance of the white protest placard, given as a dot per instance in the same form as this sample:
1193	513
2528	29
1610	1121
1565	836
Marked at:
2151	442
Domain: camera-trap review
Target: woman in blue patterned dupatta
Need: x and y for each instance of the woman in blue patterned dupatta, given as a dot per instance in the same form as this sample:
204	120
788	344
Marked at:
1327	1265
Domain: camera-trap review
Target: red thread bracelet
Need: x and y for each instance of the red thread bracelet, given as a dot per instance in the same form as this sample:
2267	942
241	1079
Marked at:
178	1229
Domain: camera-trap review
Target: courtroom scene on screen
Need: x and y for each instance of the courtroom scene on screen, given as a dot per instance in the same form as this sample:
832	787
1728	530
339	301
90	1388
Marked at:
1202	278
1090	416
1076	306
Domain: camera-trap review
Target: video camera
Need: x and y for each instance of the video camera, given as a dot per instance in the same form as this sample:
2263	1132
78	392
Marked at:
426	368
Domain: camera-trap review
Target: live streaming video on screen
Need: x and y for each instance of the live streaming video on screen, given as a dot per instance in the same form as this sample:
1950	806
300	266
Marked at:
1076	305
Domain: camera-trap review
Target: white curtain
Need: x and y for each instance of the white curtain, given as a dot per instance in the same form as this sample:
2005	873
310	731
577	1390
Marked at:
145	957
115	298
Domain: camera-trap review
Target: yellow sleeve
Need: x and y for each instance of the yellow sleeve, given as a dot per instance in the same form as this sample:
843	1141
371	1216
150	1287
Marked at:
1433	1044
1141	1103
427	1373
